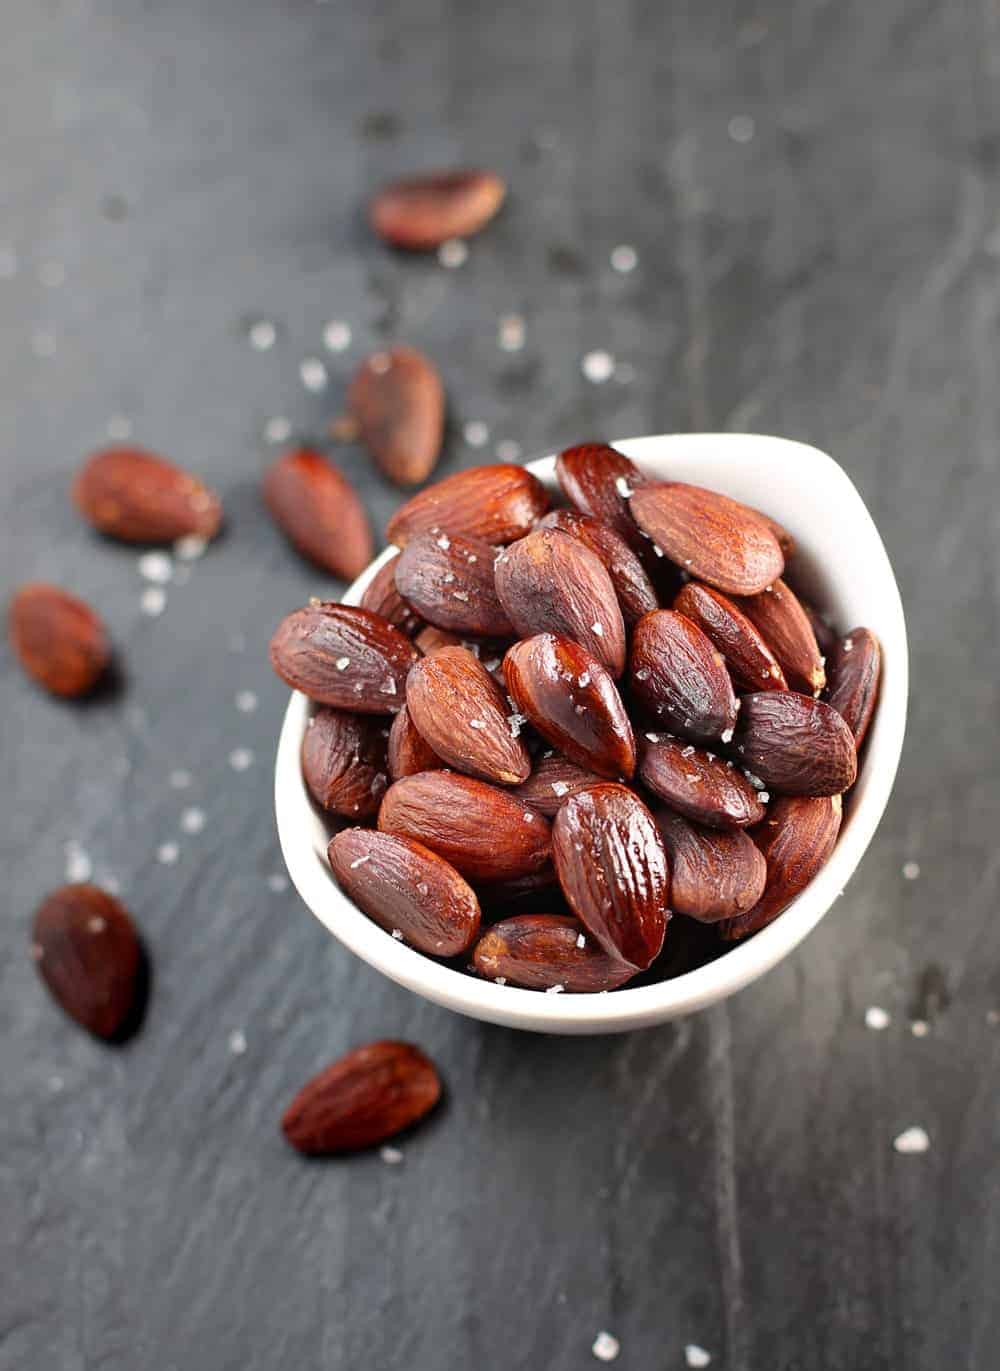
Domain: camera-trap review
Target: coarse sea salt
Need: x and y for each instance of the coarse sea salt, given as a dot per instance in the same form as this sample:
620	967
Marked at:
876	1018
912	1141
605	1346
696	1356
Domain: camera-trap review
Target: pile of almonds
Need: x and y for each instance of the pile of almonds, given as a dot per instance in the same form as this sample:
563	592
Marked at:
583	720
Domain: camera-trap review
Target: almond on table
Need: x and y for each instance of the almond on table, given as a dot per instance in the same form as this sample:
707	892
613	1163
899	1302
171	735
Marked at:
422	212
139	497
58	639
397	401
319	511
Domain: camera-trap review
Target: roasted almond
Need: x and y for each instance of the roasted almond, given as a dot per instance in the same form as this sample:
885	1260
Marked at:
369	1095
58	639
697	783
87	952
855	668
598	480
613	869
397	401
448	580
546	952
408	751
795	744
342	656
344	762
485	833
138	497
713	538
751	662
319	511
680	677
496	503
463	714
549	582
554	778
382	597
422	212
796	839
572	702
713	875
636	592
785	626
406	889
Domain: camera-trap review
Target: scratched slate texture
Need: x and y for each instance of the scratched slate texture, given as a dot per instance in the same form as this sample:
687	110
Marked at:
829	271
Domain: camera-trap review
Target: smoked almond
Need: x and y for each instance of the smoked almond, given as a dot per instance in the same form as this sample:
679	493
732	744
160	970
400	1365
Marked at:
697	783
319	512
342	656
58	639
785	627
680	677
408	751
448	580
420	213
751	663
495	503
86	950
382	597
140	497
795	744
344	762
554	778
397	402
855	668
546	951
636	592
713	875
598	480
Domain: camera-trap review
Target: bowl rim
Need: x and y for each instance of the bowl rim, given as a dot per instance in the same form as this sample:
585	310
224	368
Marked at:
628	1007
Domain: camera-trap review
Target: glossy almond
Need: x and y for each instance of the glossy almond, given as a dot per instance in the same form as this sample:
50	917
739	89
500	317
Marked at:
86	950
496	503
855	669
458	708
549	582
572	702
382	597
369	1095
795	744
785	626
408	751
713	875
697	783
406	889
680	677
598	480
541	951
636	592
319	511
138	497
448	580
613	869
751	663
484	832
422	212
713	538
344	762
342	656
552	781
58	639
796	840
397	401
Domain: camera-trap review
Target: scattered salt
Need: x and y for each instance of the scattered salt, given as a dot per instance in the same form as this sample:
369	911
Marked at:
622	486
388	687
462	595
190	547
696	1356
920	1028
581	941
193	820
597	629
262	334
560	787
911	1141
180	780
390	1155
876	1018
167	853
453	253
528	817
444	542
277	882
313	373
584	680
555	990
508	450
848	644
337	336
397	933
499	980
598	366
911	870
360	861
477	724
278	429
153	601
510	333
687	751
606	1346
342	663
78	864
624	258
764	797
241	758
476	433
246	701
653	737
237	1042
727	736
119	427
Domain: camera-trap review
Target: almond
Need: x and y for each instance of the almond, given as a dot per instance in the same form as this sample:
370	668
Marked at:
677	674
397	402
796	839
549	582
485	833
636	592
713	875
448	580
382	597
795	744
697	783
785	626
317	508
542	951
406	889
613	869
552	781
408	751
713	538
138	497
598	480
826	637
87	952
422	212
344	762
342	656
496	503
855	668
369	1095
751	662
461	712
572	702
58	639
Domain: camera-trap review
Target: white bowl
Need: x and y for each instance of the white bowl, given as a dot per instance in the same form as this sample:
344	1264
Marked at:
843	566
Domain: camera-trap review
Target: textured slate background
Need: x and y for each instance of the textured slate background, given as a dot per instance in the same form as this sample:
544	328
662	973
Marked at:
830	272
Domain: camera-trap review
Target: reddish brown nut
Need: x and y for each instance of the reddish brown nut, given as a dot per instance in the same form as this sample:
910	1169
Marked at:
342	656
679	676
796	839
713	538
369	1095
826	637
87	952
409	753
572	702
448	579
58	639
598	480
397	401
713	875
429	639
496	503
138	497
785	626
537	893
485	833
636	592
422	212
406	889
855	668
463	714
549	582
542	951
795	744
381	597
554	779
319	511
751	662
696	783
786	540
344	762
613	869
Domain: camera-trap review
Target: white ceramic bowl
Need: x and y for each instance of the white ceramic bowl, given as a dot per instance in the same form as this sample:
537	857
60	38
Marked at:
843	566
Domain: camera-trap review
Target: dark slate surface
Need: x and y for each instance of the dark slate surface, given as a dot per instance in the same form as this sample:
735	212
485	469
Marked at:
830	272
